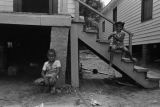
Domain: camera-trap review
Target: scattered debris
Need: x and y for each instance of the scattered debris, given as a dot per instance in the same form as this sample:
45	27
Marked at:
66	89
95	103
41	105
77	102
124	83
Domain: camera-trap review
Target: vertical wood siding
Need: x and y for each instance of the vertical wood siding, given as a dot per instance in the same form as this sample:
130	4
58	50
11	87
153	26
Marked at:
146	32
6	5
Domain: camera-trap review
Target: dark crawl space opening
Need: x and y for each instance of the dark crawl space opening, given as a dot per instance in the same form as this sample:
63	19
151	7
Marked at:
23	50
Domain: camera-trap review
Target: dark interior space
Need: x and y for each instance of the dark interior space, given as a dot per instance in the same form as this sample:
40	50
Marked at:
137	52
37	6
23	49
154	52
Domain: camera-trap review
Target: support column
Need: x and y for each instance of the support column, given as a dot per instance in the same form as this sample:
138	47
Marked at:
59	41
74	56
145	55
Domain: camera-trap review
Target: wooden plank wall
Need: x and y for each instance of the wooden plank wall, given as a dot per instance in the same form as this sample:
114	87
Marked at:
108	26
146	32
71	7
6	5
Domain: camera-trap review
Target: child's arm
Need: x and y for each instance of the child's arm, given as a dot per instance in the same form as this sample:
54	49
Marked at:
58	68
110	36
121	38
44	69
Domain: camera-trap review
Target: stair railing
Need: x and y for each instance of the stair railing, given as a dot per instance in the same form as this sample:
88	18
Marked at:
101	15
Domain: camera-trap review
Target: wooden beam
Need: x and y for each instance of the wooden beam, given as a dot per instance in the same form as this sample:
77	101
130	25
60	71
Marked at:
35	19
74	56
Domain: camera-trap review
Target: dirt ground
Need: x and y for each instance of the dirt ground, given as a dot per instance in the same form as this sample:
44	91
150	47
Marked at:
21	92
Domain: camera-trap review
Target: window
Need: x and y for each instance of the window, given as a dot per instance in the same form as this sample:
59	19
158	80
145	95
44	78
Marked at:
146	11
36	6
103	26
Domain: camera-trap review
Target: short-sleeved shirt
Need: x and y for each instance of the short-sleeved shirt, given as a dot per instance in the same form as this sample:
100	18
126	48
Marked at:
50	68
120	36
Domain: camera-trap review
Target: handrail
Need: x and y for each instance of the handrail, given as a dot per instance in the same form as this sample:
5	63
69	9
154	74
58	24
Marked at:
100	14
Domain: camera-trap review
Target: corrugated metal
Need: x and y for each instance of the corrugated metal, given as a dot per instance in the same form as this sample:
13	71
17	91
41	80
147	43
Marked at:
146	32
6	5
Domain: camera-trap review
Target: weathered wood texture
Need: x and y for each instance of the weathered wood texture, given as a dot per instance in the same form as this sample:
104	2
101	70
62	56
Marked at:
59	41
35	19
71	7
6	5
129	11
108	26
75	28
101	50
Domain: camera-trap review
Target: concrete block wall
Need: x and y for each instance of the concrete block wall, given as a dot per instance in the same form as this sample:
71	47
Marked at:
59	41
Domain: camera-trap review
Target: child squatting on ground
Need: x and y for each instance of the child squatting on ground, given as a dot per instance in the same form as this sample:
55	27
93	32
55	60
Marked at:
117	41
50	72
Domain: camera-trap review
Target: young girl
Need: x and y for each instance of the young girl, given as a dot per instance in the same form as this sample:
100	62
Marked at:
50	71
118	41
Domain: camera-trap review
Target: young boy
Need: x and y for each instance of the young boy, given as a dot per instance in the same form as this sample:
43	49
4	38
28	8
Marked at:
50	71
118	41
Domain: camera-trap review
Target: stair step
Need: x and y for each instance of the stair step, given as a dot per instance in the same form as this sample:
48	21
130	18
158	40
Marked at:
117	51
153	75
127	60
140	69
90	31
103	41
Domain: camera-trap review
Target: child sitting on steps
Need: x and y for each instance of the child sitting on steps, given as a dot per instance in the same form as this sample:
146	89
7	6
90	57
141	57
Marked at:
118	42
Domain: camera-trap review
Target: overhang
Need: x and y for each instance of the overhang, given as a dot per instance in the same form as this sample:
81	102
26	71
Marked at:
35	19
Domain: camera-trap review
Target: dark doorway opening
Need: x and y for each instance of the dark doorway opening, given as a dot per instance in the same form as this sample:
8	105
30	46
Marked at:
23	49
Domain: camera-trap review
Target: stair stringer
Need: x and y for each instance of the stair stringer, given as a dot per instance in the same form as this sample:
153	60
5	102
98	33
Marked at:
127	68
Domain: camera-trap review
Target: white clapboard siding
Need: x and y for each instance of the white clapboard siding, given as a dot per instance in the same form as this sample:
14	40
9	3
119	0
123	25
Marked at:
108	26
146	32
6	5
71	7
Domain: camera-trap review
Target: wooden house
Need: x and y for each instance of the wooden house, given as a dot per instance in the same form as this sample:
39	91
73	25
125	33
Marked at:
30	27
142	18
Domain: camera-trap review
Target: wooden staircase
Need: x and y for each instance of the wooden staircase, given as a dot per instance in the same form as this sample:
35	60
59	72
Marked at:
123	65
100	47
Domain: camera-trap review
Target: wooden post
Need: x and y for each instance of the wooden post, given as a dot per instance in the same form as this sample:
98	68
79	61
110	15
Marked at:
144	54
130	43
74	56
76	10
